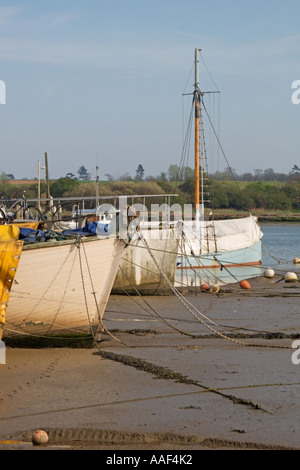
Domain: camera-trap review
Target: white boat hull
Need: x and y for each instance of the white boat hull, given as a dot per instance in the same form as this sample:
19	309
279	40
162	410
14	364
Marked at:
144	267
62	287
222	252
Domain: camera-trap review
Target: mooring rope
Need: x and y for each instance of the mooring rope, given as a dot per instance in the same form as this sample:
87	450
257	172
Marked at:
103	328
163	320
186	302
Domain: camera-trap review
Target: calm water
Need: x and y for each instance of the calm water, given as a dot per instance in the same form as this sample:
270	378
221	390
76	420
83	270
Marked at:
281	242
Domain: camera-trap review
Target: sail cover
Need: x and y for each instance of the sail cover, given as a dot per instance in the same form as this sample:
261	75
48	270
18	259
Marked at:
221	235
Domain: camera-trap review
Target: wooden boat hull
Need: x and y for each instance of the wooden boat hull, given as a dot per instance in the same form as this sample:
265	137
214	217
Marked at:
140	270
62	286
219	267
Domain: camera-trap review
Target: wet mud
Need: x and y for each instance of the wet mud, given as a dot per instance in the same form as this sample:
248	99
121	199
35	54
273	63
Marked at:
216	375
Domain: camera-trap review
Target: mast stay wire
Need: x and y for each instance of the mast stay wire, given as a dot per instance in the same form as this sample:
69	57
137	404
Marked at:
220	145
185	150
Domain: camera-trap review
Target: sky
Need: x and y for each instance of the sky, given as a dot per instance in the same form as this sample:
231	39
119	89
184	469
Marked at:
100	84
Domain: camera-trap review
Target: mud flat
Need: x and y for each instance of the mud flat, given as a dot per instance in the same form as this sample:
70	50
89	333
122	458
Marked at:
199	372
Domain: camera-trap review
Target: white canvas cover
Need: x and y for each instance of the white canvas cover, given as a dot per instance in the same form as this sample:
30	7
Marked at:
221	235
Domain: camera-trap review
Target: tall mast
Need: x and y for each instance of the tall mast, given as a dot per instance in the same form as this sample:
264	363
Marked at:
200	151
197	114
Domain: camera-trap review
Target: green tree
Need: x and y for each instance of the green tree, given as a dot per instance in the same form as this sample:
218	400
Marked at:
162	176
125	177
187	172
296	170
62	185
140	173
173	173
83	173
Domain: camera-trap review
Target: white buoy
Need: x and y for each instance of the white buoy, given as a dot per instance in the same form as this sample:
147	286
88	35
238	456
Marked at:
269	273
290	277
39	437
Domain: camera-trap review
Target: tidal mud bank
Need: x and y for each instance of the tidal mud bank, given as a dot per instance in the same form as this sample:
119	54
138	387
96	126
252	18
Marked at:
164	378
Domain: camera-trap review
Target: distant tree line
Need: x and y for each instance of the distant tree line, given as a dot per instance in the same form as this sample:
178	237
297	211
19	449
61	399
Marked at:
249	195
226	190
175	173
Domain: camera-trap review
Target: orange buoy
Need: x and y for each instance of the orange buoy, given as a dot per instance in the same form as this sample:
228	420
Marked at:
39	437
204	287
245	285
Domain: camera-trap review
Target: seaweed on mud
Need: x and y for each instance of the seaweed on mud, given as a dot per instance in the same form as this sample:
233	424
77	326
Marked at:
161	372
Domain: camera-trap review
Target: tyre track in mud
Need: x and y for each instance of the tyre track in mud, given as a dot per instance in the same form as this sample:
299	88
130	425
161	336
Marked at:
85	438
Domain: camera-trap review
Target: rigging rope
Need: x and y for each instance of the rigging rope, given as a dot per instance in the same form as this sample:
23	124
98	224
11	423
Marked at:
186	303
163	320
103	328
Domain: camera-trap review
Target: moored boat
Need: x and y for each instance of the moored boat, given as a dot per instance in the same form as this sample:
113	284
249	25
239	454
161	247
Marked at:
62	284
10	251
149	259
210	248
151	252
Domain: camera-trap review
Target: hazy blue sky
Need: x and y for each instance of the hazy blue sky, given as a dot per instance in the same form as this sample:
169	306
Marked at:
98	82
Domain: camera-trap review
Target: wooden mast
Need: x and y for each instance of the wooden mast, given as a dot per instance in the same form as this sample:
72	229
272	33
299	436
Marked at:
197	114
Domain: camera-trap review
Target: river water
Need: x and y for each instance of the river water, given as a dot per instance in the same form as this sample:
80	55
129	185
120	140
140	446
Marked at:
280	246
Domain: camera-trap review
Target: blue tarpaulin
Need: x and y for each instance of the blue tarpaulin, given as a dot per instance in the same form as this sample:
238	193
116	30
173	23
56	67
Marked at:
29	235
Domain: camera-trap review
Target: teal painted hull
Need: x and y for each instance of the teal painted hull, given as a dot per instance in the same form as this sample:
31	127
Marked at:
222	268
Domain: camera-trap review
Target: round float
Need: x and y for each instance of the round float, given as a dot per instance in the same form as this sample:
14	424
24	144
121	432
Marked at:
290	277
245	285
204	287
39	437
269	273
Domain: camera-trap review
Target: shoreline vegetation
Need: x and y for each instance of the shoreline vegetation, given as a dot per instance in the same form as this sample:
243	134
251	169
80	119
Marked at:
272	201
262	215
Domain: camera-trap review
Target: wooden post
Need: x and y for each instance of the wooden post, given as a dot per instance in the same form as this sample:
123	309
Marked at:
47	180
